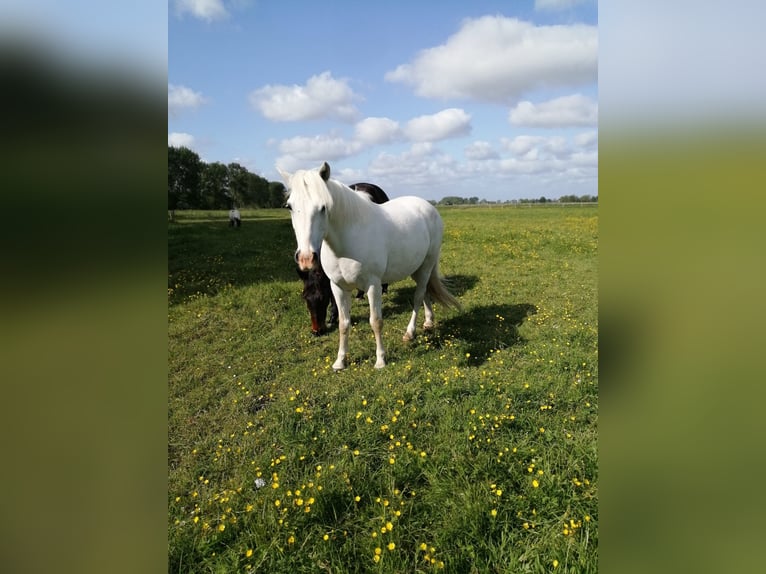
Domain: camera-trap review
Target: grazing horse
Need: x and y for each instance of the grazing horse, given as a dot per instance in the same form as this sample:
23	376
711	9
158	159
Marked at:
234	218
316	284
362	245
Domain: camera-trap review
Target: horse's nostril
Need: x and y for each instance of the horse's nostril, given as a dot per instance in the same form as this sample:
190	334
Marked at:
296	256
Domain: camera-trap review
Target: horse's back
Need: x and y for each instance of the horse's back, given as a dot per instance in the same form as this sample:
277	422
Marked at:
413	237
410	212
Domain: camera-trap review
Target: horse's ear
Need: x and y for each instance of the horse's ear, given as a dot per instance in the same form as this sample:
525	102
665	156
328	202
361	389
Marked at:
286	176
324	171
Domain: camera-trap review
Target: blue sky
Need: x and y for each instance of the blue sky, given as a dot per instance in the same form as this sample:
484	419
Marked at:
493	99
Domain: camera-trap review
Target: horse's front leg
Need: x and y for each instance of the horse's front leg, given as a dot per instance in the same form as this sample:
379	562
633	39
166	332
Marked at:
375	296
343	299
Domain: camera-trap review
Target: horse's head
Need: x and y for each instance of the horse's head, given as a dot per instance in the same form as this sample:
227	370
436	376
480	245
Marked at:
309	203
317	294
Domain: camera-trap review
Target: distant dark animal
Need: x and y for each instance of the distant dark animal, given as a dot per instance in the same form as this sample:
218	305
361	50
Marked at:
234	218
316	285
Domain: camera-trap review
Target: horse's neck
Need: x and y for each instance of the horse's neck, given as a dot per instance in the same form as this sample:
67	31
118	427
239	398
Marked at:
347	223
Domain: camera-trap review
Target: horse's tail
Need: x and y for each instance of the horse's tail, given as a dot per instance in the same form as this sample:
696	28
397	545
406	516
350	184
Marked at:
438	291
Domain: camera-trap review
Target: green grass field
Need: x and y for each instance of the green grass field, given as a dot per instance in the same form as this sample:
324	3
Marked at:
473	450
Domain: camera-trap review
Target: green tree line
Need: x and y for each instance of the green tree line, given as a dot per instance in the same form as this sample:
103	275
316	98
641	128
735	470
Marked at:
454	200
194	184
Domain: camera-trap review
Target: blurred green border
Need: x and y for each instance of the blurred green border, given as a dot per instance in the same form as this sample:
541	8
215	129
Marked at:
681	310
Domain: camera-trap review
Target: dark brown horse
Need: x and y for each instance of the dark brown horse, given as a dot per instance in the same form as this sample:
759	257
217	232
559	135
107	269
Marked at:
316	285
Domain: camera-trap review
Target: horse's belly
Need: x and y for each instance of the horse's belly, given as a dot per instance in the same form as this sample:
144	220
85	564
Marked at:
406	252
400	267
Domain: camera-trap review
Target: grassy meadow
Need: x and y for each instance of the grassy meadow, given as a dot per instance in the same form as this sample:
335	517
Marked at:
473	450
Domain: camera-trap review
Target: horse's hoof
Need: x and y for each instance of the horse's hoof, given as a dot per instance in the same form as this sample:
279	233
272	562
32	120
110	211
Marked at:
407	337
338	366
380	364
428	326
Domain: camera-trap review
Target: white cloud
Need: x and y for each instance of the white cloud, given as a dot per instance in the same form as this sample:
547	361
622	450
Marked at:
422	166
318	148
568	111
208	10
587	140
537	147
421	131
449	123
524	166
372	131
480	150
497	59
422	149
555	163
180	139
322	96
585	159
180	97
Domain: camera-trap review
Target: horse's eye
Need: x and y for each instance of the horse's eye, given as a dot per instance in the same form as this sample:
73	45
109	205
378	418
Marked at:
324	208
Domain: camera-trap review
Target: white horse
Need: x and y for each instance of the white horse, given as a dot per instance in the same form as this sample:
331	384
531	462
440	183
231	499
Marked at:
363	245
235	220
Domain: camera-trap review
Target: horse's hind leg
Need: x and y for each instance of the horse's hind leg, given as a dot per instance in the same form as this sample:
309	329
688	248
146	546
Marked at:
421	283
429	312
343	299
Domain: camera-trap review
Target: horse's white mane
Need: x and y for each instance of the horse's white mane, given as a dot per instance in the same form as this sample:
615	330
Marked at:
348	204
342	202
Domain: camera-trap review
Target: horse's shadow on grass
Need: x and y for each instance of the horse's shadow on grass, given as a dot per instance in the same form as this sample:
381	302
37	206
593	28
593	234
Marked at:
484	329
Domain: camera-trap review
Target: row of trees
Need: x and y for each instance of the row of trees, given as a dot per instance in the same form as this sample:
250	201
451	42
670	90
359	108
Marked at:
454	200
578	199
194	184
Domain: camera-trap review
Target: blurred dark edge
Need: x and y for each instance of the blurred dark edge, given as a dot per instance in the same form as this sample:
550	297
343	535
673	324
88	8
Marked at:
84	353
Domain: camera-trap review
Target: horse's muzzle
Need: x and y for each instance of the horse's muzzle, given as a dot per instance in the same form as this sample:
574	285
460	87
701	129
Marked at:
306	262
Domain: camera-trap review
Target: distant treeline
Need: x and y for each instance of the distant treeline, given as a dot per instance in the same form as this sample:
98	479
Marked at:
194	184
454	200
